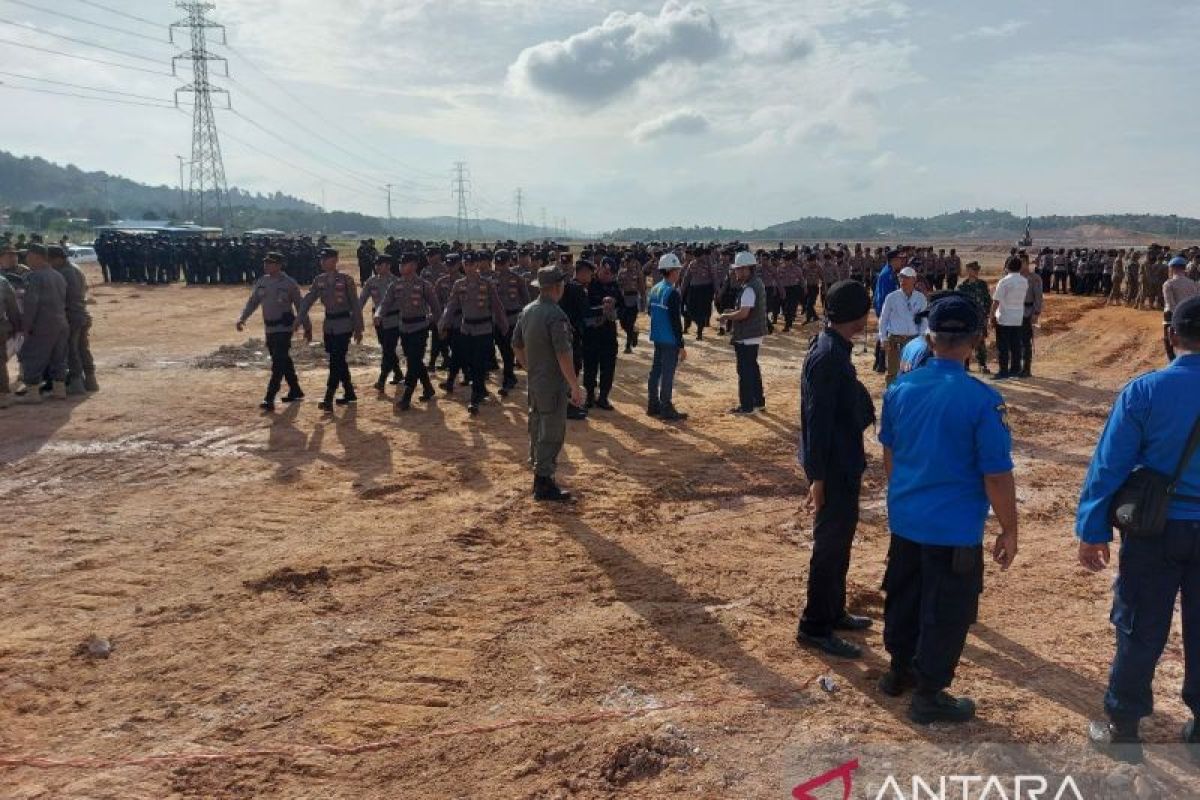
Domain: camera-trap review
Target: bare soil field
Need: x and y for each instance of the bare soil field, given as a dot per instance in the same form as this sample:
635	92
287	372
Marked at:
274	582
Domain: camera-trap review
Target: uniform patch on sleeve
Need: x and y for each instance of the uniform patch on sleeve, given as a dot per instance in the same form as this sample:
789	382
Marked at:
1002	410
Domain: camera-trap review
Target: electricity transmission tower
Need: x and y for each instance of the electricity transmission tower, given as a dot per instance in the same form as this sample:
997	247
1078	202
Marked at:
520	212
208	196
460	188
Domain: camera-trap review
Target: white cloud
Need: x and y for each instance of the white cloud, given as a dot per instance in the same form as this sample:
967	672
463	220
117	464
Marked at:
603	61
684	122
1001	31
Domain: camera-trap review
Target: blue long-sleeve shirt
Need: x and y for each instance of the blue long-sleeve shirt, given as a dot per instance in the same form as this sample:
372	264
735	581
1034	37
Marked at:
1148	426
885	284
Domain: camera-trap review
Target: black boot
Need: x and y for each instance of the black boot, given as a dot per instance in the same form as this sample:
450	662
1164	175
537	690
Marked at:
405	401
326	405
575	412
1119	740
546	490
590	401
293	396
897	680
653	409
671	414
603	403
939	706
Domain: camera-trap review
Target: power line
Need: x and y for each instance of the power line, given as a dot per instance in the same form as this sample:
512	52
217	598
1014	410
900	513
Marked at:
80	96
85	88
460	190
120	13
83	58
73	18
311	110
30	27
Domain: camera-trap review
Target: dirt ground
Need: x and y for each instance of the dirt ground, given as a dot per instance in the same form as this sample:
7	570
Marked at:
278	581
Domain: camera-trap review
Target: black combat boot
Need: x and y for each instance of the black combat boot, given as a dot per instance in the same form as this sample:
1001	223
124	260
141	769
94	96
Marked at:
930	707
671	414
546	490
326	405
653	409
405	401
897	680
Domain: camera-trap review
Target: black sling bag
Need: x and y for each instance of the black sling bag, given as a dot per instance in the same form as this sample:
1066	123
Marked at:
1139	508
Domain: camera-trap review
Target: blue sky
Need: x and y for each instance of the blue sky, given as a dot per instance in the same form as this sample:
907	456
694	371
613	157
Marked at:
621	112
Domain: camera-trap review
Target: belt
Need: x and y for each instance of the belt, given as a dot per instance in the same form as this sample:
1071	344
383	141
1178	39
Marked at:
338	315
411	320
476	320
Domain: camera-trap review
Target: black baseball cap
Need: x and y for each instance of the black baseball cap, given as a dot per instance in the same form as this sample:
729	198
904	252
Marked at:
273	257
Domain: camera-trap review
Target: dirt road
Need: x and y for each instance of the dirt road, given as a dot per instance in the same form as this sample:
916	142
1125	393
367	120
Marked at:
272	581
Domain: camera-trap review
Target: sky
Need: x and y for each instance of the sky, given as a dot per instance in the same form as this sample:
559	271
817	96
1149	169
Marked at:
615	113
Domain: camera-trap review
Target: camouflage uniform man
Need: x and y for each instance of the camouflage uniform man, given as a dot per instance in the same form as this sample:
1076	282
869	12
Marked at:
632	280
283	314
514	296
387	326
953	269
81	369
343	320
10	323
414	303
542	343
44	319
977	289
474	299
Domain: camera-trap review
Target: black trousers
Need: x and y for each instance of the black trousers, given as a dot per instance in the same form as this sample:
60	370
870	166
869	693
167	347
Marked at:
337	345
599	359
279	345
792	297
833	536
473	352
750	388
507	358
389	365
1026	345
774	303
439	348
931	600
809	297
1060	282
700	305
1008	348
627	315
951	282
413	345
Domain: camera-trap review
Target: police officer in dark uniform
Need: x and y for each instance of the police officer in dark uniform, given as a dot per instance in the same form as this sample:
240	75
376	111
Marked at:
599	335
948	456
835	410
574	302
1150	425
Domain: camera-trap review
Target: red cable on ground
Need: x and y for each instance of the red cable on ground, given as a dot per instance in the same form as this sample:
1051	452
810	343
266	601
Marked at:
298	750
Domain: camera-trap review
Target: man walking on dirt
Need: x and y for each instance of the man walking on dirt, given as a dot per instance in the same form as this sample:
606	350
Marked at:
44	319
541	342
278	294
343	320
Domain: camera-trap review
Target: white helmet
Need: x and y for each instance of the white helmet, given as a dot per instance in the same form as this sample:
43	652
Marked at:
744	259
669	261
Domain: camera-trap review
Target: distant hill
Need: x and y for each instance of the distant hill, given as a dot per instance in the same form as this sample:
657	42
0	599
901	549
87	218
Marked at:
41	195
980	225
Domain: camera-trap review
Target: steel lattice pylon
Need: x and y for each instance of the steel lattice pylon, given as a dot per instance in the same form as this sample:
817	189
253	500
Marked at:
208	197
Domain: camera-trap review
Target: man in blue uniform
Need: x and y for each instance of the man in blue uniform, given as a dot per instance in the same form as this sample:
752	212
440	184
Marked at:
835	409
1149	425
948	456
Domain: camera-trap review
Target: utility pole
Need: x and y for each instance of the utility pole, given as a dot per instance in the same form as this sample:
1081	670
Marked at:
209	194
389	193
478	224
544	231
183	208
460	188
520	212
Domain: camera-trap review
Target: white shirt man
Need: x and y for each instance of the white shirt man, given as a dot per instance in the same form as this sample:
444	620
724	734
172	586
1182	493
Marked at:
1010	299
897	323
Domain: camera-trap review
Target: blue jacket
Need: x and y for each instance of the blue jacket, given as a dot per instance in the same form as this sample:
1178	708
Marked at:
885	284
1148	426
